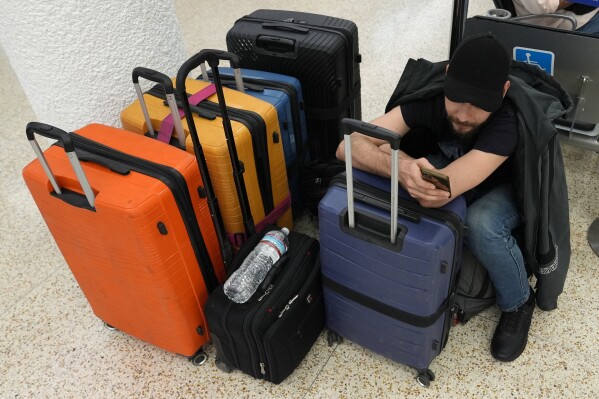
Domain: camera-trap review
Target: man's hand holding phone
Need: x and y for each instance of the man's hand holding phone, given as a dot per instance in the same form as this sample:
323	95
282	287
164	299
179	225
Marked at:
439	180
427	191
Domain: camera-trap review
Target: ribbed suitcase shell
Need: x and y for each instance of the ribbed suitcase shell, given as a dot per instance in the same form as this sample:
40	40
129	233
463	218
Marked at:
292	121
212	138
416	279
325	59
137	279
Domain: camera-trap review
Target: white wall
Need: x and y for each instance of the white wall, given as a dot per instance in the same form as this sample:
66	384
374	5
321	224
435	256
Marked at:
74	58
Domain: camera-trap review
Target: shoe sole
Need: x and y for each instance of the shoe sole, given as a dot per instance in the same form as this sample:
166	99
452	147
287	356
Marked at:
511	358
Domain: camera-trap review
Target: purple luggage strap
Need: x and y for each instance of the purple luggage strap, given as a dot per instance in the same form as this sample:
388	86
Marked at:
167	125
237	239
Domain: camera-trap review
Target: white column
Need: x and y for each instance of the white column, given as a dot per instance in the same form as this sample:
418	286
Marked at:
74	58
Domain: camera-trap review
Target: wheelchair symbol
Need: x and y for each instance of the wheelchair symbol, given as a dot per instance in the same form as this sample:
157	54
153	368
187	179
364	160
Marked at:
540	58
531	62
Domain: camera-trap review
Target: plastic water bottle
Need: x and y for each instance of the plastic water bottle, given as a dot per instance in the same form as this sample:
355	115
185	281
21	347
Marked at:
245	281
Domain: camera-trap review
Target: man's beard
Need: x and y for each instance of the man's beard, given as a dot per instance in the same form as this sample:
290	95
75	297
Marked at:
462	130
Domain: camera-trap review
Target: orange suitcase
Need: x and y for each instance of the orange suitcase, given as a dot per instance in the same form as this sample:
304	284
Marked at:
134	230
257	139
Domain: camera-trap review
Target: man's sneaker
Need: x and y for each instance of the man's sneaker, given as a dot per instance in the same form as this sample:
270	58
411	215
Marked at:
511	334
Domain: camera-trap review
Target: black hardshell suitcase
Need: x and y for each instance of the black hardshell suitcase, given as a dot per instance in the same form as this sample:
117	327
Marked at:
320	51
268	336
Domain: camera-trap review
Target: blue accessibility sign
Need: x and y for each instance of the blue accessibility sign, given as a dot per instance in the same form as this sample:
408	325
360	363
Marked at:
587	2
541	58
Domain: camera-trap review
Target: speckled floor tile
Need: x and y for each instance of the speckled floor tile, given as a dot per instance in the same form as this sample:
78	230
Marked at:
465	369
55	347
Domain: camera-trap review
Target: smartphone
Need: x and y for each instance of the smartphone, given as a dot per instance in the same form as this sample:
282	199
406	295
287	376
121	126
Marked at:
440	180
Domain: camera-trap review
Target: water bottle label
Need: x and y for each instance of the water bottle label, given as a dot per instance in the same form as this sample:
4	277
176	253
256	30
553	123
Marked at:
276	244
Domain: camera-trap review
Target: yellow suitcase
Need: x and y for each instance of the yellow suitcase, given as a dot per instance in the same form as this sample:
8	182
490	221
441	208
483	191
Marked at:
257	139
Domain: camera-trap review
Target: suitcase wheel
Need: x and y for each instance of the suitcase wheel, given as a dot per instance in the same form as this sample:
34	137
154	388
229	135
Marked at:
333	338
199	358
222	366
425	377
109	327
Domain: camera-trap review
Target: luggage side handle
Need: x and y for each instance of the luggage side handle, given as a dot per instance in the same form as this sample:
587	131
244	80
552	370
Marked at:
55	133
352	125
169	91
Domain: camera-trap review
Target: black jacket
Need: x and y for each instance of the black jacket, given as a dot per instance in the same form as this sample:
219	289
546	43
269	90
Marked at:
539	179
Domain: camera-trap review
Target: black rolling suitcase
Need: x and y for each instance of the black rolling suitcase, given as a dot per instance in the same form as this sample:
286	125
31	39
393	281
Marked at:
268	336
320	51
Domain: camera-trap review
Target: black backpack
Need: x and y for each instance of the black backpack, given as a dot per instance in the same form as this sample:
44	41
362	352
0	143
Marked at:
316	177
474	292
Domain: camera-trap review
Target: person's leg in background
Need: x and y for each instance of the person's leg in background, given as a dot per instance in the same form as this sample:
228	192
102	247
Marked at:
490	220
591	27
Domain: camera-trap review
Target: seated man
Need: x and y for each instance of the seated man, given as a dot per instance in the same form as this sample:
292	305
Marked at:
457	118
587	17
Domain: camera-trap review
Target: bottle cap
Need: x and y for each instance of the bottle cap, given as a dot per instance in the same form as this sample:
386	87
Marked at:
285	231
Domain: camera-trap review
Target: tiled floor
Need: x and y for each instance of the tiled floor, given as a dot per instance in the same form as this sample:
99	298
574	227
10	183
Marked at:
51	345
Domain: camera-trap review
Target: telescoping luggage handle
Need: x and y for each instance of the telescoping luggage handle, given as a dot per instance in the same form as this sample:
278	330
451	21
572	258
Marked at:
67	143
236	75
169	91
353	125
213	57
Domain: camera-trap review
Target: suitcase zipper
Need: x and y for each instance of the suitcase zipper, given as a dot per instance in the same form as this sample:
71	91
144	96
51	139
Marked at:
343	32
271	358
286	308
255	123
224	316
291	92
178	187
259	144
448	218
268	290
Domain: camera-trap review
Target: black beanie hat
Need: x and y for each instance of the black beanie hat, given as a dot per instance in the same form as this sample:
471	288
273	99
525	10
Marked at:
477	72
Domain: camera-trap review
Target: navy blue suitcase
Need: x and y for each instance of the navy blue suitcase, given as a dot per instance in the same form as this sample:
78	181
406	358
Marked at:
392	298
285	94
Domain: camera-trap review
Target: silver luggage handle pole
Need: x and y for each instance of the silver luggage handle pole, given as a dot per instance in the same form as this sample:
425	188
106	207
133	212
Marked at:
62	136
353	125
169	91
236	74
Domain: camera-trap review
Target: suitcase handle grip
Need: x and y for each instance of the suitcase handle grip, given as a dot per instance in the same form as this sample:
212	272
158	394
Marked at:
212	57
51	132
378	132
55	133
154	76
353	125
284	26
169	91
